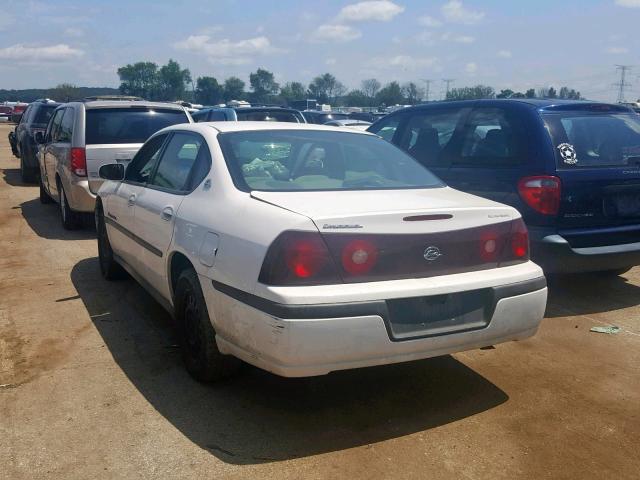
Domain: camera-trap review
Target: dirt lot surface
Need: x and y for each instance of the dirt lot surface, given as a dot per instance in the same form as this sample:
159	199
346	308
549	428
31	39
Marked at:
92	386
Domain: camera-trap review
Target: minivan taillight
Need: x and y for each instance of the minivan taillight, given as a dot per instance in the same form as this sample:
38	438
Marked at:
79	162
542	193
298	258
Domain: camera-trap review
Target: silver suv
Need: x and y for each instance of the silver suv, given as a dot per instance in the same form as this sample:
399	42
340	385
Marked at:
83	136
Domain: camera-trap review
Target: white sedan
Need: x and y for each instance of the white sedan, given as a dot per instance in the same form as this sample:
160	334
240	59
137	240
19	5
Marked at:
305	249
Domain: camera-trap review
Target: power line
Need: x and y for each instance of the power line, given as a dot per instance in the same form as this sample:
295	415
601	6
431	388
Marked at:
622	84
427	85
448	82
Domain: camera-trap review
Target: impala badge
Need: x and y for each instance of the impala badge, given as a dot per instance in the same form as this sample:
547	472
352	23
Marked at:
432	253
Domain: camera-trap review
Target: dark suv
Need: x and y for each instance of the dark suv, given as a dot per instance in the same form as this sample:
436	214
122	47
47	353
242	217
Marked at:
571	168
34	119
253	114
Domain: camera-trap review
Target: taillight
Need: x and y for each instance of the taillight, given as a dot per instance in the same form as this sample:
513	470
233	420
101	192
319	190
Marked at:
542	193
518	246
298	258
79	162
359	257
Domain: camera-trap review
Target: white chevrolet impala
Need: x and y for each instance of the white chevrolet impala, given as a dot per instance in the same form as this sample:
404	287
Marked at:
304	249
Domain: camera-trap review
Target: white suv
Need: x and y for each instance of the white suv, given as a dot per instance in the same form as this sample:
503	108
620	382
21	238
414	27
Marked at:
304	249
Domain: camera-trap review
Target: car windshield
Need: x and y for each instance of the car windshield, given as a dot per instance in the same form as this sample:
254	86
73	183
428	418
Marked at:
45	112
128	125
268	116
583	140
284	160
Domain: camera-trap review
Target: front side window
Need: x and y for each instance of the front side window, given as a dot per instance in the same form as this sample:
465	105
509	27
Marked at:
128	125
285	160
386	128
492	138
583	140
178	159
141	167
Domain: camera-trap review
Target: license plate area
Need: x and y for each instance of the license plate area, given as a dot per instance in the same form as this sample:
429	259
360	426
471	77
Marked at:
439	314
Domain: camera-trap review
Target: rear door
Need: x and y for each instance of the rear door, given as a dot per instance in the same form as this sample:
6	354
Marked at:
597	155
492	149
59	150
114	135
183	164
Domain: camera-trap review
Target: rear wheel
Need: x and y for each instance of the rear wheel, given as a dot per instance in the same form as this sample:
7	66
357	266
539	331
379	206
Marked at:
109	268
200	352
70	219
44	196
27	175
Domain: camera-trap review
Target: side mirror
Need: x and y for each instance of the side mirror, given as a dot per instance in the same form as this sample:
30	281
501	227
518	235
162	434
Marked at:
112	171
39	137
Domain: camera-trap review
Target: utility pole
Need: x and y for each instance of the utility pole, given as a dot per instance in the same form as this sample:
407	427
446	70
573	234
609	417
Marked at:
622	84
427	85
448	82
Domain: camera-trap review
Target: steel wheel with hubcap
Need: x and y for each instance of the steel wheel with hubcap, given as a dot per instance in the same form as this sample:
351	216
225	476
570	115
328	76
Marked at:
110	269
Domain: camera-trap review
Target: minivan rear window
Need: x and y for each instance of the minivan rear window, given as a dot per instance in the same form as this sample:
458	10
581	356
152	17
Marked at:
128	125
583	140
44	114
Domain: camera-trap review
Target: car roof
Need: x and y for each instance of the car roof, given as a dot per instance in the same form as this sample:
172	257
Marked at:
224	127
129	103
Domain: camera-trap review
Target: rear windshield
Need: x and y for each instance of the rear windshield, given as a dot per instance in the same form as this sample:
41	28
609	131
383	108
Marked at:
284	160
584	140
44	114
327	117
268	116
128	125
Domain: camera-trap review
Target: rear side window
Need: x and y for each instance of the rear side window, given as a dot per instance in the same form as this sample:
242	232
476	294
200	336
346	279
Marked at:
43	114
492	137
52	129
268	116
65	131
386	128
178	159
584	140
199	116
128	125
217	116
428	134
141	167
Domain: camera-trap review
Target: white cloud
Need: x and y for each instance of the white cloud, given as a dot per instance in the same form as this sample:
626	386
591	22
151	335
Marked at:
225	51
330	61
405	62
471	67
335	33
449	37
25	53
430	22
455	12
73	32
504	54
617	50
370	11
628	3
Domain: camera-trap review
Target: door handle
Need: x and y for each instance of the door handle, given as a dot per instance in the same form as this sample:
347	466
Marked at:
132	199
166	214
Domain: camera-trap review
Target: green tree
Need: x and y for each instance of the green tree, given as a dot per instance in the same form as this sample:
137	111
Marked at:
172	81
233	89
390	94
209	91
64	92
370	88
139	79
293	91
357	98
531	93
471	93
411	92
263	85
508	93
326	88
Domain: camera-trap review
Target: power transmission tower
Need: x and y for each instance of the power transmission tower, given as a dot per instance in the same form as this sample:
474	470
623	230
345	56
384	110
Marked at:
622	85
448	82
427	85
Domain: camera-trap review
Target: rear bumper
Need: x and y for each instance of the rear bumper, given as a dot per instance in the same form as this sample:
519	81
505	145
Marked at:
555	255
308	340
79	196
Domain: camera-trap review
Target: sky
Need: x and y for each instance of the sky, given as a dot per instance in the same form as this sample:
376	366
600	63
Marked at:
503	43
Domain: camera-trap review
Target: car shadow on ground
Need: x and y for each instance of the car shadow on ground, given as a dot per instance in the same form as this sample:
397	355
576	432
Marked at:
589	293
44	220
258	417
12	177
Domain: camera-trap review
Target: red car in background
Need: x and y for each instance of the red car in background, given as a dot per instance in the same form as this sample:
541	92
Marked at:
5	112
18	110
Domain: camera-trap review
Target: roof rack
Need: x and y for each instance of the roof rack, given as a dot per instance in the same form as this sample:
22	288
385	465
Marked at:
123	98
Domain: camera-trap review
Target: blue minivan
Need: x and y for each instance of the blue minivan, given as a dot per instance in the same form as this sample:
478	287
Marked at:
572	168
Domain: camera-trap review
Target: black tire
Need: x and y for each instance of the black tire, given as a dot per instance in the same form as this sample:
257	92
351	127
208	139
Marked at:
200	352
70	219
27	175
109	268
44	196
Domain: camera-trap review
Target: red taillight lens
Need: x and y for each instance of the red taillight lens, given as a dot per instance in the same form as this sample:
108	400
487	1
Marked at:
519	244
79	162
298	258
359	257
542	193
